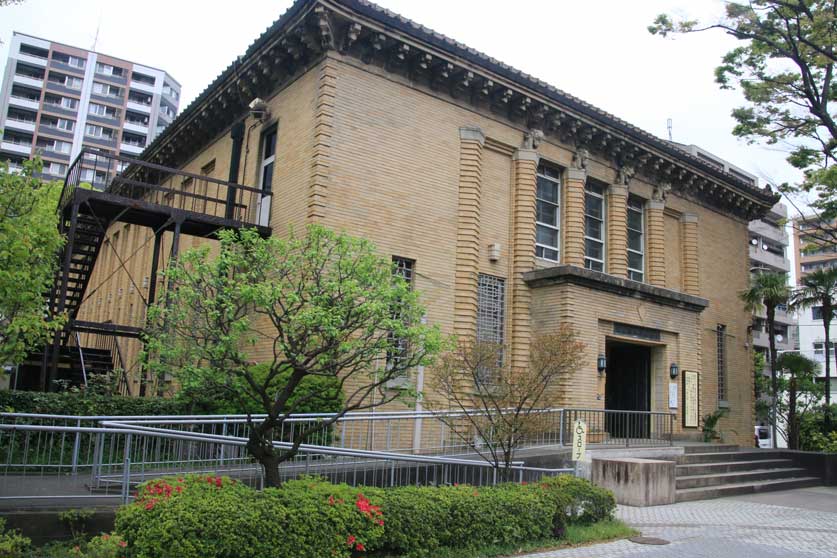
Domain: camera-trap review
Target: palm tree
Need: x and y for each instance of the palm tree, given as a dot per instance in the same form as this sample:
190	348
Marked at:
819	288
768	290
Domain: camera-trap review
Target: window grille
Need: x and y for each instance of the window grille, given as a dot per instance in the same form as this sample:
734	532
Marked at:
721	338
398	347
491	301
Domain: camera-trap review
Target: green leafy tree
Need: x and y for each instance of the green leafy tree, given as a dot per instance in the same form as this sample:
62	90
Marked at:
819	288
768	290
29	244
325	303
799	395
784	66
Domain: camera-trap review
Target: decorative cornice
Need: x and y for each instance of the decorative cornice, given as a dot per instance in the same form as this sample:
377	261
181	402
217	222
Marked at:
472	133
355	28
574	275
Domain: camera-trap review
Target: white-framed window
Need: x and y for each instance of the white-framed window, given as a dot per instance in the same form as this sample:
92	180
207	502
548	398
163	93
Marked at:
73	82
102	110
548	202
55	169
106	89
70	103
636	238
594	226
94	131
108	70
59	146
267	153
76	61
491	309
64	124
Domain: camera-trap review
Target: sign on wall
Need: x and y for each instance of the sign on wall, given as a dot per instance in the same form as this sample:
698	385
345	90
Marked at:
691	399
672	395
579	440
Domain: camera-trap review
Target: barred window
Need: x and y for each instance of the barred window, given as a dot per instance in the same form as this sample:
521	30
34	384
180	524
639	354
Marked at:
548	200
491	302
594	227
636	239
398	348
721	338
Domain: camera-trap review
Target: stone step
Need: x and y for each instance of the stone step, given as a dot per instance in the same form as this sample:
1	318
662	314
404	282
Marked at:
697	481
730	467
710	448
726	456
708	492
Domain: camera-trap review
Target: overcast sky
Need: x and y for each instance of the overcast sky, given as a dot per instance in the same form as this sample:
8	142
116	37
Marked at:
598	50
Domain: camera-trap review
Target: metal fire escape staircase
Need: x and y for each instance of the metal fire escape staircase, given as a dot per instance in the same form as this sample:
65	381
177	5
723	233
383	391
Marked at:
102	189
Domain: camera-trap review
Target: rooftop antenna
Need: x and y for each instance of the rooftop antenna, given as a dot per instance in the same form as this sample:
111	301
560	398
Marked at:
96	38
669	125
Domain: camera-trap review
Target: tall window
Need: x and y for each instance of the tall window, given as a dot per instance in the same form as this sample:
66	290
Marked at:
267	154
403	268
636	239
721	339
594	227
548	214
491	309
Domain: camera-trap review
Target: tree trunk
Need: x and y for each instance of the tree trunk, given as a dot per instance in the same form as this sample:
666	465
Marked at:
774	384
793	420
261	448
827	311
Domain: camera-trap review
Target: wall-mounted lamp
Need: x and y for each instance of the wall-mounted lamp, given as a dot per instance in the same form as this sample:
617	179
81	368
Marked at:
601	363
673	370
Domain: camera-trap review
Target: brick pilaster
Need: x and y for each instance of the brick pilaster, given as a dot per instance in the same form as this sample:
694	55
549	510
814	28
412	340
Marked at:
573	225
471	140
690	258
617	230
656	244
523	253
323	129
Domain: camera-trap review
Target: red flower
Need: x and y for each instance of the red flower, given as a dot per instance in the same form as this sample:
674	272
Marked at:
360	547
350	540
218	482
524	483
123	544
331	500
179	489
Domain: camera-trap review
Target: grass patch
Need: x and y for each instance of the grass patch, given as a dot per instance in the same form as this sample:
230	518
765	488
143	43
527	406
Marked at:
576	535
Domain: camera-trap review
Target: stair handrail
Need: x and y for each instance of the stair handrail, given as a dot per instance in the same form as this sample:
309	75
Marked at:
81	357
71	181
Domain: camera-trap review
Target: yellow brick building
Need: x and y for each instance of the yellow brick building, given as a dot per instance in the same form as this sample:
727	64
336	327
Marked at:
518	206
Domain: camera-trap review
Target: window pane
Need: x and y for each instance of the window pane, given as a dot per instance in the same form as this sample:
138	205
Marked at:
593	206
635	240
547	236
593	249
267	178
593	227
595	266
546	253
635	276
547	213
634	220
547	190
634	260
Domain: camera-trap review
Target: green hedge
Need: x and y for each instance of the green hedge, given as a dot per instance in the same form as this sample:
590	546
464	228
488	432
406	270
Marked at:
315	394
214	517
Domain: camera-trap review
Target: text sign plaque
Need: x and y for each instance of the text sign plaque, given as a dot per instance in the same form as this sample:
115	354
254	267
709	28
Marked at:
691	399
579	440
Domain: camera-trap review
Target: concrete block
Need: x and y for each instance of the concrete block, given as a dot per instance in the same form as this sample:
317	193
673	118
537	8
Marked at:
635	481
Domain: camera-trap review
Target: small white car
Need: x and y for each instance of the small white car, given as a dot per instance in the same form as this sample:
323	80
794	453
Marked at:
762	437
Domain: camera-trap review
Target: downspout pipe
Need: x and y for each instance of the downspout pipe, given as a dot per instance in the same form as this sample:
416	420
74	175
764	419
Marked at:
237	135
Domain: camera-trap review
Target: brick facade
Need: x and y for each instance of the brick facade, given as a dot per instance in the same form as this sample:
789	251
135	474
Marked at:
427	176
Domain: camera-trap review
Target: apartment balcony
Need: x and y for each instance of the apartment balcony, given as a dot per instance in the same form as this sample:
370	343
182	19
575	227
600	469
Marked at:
139	107
761	339
144	87
28	81
770	232
138	128
130	148
17	148
34	60
21	125
760	257
24	102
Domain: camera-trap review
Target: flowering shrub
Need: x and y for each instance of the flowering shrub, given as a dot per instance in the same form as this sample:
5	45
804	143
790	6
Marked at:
12	543
103	546
215	517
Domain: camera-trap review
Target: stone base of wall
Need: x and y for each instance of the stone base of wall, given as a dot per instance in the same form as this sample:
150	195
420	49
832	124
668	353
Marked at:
635	481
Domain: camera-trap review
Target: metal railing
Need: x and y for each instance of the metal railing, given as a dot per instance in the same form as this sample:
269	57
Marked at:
141	180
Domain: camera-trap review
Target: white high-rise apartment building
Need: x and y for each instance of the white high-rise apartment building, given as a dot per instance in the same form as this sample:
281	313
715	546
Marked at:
57	99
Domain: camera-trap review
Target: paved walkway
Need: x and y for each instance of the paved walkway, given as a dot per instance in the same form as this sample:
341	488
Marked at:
796	523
